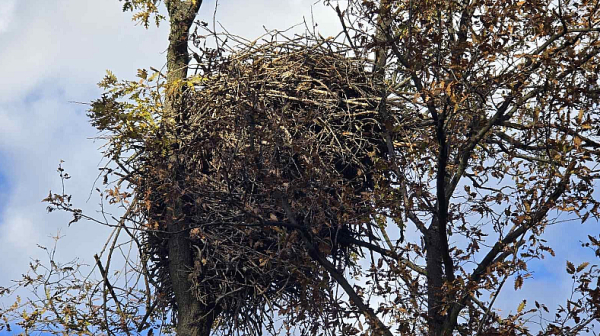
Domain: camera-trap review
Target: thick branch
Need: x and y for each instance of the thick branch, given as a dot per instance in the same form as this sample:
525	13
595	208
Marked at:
181	16
442	201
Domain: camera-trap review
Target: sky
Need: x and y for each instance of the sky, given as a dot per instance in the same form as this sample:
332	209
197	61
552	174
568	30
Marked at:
52	54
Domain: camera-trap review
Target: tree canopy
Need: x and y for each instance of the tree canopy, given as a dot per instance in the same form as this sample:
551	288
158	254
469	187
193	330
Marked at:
389	180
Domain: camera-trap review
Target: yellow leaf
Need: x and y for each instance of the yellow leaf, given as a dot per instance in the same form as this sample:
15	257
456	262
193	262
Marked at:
521	306
449	89
142	73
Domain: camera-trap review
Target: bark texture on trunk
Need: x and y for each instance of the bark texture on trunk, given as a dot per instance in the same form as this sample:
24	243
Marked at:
193	318
435	280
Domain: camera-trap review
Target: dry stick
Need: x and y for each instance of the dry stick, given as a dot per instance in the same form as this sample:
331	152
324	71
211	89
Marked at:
497	319
575	331
385	252
149	311
111	290
489	307
343	22
386	236
145	273
103	271
114	233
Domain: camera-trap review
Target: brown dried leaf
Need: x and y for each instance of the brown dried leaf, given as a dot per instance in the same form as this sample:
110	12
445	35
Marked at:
582	266
518	282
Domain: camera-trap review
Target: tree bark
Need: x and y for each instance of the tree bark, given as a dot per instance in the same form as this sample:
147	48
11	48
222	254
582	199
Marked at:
181	17
435	280
193	317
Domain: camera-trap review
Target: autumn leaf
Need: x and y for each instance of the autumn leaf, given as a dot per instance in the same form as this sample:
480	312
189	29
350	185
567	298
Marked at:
518	282
582	266
521	306
580	116
585	217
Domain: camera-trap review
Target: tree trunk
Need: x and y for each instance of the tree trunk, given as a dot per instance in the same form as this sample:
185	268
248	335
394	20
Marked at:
193	317
435	280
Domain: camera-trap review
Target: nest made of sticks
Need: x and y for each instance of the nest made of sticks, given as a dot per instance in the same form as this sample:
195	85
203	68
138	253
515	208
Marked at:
270	125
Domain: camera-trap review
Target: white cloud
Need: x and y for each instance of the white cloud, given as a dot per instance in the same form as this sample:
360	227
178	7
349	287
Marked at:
55	52
20	232
74	41
6	12
52	53
247	19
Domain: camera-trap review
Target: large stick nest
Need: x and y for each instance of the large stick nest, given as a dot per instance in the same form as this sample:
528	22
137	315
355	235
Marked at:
268	126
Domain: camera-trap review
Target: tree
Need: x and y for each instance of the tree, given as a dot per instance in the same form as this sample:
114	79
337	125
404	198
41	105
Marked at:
285	170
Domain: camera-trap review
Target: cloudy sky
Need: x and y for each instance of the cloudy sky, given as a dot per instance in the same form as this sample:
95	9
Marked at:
52	54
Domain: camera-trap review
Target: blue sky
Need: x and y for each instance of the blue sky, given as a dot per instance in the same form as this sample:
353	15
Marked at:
54	52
